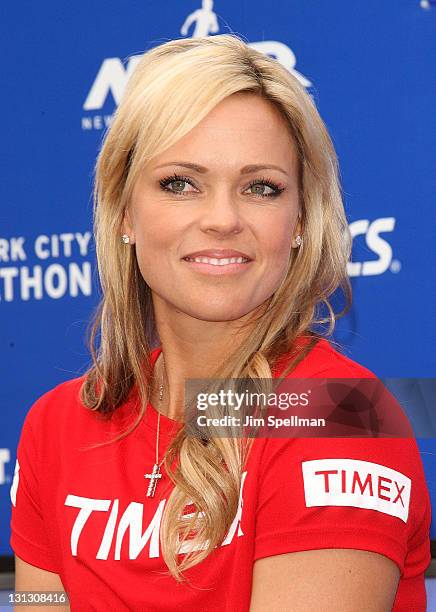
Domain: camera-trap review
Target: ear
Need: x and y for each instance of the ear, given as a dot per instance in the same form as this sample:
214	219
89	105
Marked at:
297	230
127	227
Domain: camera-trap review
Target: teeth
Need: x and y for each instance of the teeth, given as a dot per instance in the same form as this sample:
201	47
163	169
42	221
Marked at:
217	262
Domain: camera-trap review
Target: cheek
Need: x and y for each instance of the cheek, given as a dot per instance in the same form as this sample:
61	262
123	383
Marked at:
278	245
276	251
154	235
156	249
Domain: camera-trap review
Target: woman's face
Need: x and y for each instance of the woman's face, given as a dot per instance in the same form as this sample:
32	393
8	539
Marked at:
221	205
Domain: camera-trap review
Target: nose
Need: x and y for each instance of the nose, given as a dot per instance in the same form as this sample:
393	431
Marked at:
221	213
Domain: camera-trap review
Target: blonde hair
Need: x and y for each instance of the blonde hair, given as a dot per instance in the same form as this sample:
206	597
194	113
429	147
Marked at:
172	88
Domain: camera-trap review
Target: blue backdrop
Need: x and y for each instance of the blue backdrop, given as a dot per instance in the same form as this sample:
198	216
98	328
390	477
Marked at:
370	69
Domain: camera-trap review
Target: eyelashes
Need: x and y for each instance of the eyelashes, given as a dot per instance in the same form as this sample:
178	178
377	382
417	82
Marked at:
165	182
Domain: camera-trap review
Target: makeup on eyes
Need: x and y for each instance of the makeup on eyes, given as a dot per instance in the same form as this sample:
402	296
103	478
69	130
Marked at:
167	180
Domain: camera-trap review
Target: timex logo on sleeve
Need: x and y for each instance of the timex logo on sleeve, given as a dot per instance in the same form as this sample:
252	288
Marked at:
353	482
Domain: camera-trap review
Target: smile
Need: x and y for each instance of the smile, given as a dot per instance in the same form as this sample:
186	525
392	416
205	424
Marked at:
217	262
222	266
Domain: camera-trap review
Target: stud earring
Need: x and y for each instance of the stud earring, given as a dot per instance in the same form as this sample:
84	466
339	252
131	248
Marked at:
125	238
298	240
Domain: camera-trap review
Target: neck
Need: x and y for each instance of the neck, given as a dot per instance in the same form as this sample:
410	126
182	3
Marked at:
163	406
191	348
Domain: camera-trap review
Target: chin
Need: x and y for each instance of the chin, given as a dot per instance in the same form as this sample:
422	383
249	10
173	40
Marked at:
217	314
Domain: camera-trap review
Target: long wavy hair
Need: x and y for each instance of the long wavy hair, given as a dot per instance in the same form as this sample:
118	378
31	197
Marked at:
172	88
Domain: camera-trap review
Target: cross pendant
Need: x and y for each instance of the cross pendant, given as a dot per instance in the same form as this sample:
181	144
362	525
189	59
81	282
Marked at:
153	480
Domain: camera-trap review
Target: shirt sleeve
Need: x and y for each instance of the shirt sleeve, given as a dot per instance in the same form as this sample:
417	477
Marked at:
360	493
29	526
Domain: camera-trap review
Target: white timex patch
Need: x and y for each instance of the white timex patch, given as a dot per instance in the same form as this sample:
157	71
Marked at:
353	482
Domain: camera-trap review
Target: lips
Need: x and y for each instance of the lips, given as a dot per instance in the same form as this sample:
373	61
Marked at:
218	254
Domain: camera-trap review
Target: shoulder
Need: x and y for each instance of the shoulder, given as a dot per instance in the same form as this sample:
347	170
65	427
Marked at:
323	491
327	361
374	460
56	405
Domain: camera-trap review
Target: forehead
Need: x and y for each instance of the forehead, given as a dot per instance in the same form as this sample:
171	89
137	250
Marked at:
244	110
242	129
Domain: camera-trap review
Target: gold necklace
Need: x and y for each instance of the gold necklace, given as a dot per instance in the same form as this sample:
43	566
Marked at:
156	473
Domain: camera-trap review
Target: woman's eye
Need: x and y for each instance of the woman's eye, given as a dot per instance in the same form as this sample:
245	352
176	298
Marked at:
260	189
175	184
178	183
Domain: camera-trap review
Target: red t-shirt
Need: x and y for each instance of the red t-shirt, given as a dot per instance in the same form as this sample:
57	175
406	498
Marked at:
84	514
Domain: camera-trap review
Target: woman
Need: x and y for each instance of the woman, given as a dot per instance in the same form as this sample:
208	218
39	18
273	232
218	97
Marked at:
220	231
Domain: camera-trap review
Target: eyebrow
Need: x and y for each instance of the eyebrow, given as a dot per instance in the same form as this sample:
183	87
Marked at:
202	169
